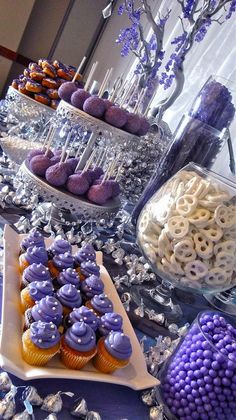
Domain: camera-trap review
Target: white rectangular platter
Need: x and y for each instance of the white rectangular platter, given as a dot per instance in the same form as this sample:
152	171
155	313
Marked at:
135	375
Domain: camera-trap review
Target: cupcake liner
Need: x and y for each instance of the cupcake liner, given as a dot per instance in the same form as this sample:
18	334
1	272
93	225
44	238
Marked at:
89	305
26	300
105	362
23	264
35	356
28	319
66	310
81	276
74	359
53	270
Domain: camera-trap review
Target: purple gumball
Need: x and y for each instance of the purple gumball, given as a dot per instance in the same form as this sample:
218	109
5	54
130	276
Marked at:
133	123
56	175
116	116
94	106
144	127
39	164
79	97
66	90
77	184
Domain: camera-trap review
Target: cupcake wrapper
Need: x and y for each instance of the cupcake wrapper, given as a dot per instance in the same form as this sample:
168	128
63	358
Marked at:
28	319
88	304
106	363
81	276
73	359
23	264
26	300
53	270
66	310
35	356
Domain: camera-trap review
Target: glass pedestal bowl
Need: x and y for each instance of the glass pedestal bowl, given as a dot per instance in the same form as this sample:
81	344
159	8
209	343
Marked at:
187	231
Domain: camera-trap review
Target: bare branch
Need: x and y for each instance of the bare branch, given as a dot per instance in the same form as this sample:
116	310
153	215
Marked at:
218	20
182	23
221	4
181	2
158	31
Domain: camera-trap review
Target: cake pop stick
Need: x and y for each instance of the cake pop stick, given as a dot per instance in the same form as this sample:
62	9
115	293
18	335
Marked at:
149	103
47	136
79	68
104	83
89	161
139	101
103	156
65	147
50	139
87	151
116	87
119	171
127	93
91	73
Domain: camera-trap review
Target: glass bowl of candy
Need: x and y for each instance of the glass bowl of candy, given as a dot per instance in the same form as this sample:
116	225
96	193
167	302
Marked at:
199	379
187	231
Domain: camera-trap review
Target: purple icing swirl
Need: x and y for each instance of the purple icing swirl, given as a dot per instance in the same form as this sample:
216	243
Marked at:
68	276
34	238
39	289
92	286
80	337
118	345
48	309
89	267
84	314
44	334
63	261
69	296
36	272
86	253
110	322
102	304
60	246
36	255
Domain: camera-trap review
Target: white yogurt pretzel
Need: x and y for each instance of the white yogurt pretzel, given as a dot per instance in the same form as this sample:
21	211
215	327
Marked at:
203	246
195	270
216	276
224	216
173	266
184	250
226	246
177	227
186	204
147	226
230	233
200	217
224	260
213	232
164	243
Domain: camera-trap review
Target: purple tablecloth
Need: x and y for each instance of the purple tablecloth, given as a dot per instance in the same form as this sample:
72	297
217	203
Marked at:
113	402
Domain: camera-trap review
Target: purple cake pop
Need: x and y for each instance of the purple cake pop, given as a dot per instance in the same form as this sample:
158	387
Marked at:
70	165
66	90
98	172
108	103
94	106
56	175
116	116
144	127
77	184
39	164
133	123
55	159
115	188
79	97
99	194
37	152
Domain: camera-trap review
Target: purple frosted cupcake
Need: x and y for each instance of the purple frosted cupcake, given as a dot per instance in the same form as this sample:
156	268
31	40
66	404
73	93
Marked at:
34	292
87	268
59	246
47	309
78	346
40	343
86	253
35	272
101	304
69	297
60	262
35	238
32	255
83	314
68	276
92	286
110	321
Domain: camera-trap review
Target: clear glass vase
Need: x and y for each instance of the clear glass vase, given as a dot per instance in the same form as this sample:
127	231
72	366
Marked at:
199	380
199	136
187	231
